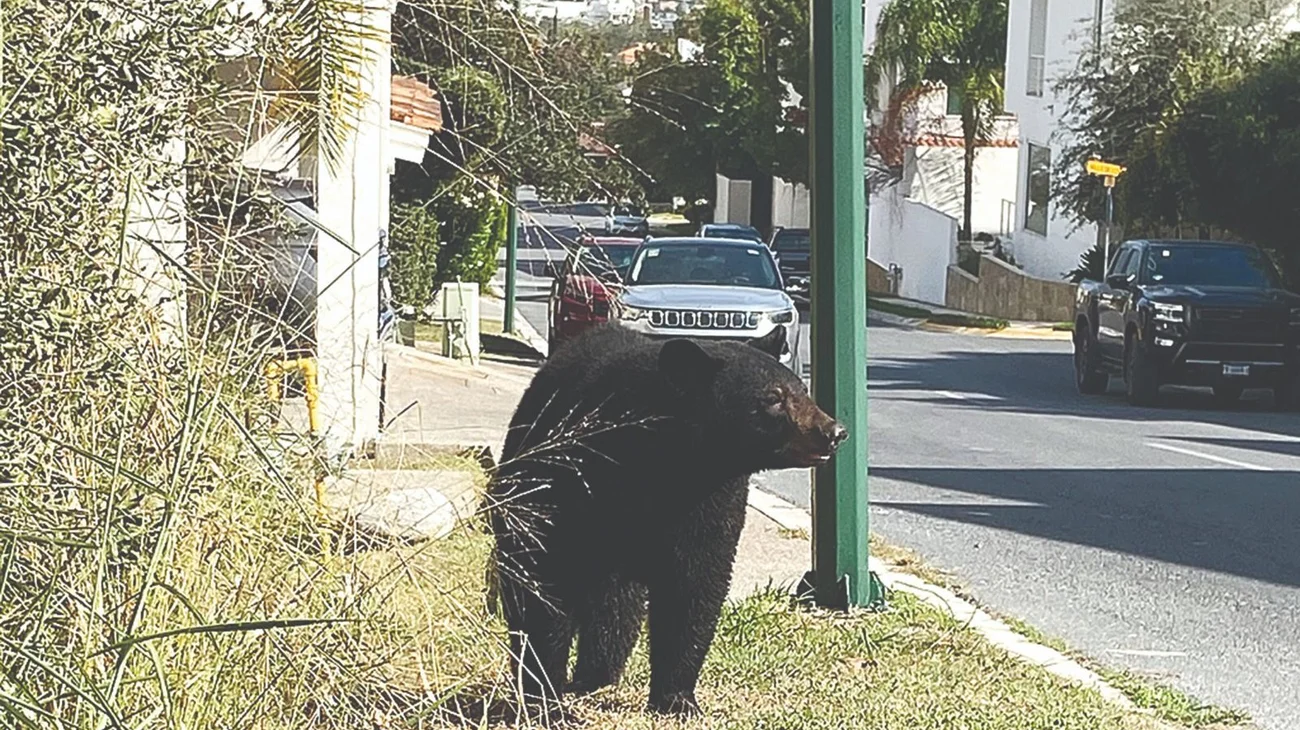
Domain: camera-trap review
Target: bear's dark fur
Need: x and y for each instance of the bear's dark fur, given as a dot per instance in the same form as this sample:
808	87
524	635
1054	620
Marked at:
624	477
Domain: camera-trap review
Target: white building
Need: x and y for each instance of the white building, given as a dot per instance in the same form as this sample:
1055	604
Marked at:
1044	40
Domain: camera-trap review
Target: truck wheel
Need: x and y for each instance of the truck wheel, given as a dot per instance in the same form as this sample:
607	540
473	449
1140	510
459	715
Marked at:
1228	393
1142	383
1089	378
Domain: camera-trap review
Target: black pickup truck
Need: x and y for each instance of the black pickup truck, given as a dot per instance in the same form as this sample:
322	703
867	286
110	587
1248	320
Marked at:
1200	313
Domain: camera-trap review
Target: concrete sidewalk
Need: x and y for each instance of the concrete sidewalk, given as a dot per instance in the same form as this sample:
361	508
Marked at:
443	405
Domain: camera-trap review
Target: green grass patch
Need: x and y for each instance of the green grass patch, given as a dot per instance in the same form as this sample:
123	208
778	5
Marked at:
948	319
970	320
775	664
431	333
1063	327
901	310
1165	703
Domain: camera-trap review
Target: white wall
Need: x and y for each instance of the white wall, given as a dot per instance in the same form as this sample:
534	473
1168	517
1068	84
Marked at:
936	179
790	204
732	201
1069	28
917	237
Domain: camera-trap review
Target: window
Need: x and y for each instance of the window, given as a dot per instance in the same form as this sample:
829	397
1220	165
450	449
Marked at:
954	101
1037	189
1037	47
707	264
1120	262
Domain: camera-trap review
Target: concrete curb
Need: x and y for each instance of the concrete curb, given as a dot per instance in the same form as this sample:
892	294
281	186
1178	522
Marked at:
996	632
527	332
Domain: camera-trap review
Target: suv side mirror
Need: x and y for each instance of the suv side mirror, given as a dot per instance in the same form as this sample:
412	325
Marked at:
1119	281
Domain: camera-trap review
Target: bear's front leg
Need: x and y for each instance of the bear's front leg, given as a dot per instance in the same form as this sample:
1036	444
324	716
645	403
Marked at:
540	638
687	593
607	631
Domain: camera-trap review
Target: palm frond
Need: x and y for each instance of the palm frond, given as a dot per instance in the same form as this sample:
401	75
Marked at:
320	91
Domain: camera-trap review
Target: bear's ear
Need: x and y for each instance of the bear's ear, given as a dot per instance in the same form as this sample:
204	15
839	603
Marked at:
686	364
773	343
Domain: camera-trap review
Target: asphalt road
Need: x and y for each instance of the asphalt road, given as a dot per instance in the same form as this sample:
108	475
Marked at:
1166	541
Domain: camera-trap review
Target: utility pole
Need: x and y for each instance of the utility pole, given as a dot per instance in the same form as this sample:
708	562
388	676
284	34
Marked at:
840	577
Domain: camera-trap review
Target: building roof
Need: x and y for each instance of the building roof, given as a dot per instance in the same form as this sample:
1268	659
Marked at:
414	103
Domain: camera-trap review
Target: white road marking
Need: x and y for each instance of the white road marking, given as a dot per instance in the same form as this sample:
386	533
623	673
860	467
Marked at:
1209	457
1146	653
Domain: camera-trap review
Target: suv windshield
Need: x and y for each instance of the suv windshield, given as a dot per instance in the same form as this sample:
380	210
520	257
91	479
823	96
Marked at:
601	260
792	241
1209	266
717	264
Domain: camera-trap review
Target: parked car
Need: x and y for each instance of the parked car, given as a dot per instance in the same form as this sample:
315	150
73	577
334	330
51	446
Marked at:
707	288
584	285
627	220
1202	313
730	230
793	250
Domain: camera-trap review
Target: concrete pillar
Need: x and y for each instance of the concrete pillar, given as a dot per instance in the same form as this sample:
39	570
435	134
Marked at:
352	200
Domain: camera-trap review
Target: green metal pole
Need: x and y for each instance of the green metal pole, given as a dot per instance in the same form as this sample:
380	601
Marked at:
512	261
840	576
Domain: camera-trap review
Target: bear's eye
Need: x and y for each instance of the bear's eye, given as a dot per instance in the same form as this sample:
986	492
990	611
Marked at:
773	401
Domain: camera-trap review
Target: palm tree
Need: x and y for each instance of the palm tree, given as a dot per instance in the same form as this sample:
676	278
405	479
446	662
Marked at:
959	43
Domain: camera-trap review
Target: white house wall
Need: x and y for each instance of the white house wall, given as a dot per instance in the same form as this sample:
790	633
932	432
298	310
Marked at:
937	182
916	237
1068	33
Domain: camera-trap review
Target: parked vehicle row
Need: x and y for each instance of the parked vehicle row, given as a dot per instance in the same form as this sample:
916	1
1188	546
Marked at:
700	287
1199	313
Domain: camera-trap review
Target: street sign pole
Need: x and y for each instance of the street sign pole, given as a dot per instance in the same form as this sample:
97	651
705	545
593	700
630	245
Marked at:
840	577
1108	172
512	256
1110	214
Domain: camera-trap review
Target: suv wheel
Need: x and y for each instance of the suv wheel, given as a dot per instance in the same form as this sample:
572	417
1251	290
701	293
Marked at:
1142	383
1089	378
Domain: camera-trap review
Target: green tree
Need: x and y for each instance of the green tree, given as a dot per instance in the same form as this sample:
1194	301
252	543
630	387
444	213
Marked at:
415	239
727	108
552	89
1126	96
959	43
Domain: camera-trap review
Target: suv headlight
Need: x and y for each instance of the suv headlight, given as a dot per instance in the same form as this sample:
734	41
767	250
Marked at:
631	314
1295	316
1169	312
783	317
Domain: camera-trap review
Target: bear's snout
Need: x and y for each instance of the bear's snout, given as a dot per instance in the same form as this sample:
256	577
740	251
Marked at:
817	436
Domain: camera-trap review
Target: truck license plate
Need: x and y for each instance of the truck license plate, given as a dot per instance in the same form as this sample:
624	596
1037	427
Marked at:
1236	371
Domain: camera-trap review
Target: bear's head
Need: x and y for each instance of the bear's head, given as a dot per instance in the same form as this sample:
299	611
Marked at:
751	411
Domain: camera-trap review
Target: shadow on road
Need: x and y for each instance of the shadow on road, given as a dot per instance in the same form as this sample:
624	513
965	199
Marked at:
1235	522
1038	382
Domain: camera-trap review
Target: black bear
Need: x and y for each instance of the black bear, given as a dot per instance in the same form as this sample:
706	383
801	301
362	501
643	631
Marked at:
624	477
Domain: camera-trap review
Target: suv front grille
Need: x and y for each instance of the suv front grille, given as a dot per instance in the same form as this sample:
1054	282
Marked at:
703	319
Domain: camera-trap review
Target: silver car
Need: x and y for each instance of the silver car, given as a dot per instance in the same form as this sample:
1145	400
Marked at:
707	288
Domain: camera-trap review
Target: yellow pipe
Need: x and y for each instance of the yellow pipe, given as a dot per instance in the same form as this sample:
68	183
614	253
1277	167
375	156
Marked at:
307	366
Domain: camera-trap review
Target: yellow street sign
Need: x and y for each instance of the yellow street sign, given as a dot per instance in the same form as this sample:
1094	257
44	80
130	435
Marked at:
1104	169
